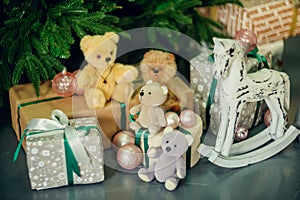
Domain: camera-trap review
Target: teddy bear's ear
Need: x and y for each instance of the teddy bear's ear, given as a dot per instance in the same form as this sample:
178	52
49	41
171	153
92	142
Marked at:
149	82
165	89
189	138
171	56
113	36
168	129
147	54
85	43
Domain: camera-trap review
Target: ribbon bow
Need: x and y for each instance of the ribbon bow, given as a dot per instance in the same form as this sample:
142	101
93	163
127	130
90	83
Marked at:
75	151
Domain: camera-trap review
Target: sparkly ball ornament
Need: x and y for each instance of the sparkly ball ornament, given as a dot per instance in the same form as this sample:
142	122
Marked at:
122	138
268	118
129	156
241	133
187	118
247	38
78	90
172	119
64	84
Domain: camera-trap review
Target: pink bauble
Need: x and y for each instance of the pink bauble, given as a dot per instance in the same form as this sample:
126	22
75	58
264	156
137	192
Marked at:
187	118
129	156
172	119
247	38
241	133
123	137
64	84
78	90
268	118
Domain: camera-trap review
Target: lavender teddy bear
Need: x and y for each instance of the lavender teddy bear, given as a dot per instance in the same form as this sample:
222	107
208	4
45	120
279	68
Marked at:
170	165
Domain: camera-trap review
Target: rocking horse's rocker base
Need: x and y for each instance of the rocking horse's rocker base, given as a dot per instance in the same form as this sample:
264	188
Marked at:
241	154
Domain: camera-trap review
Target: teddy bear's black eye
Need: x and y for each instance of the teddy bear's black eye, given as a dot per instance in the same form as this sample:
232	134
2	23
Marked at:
149	93
98	56
111	53
167	141
175	145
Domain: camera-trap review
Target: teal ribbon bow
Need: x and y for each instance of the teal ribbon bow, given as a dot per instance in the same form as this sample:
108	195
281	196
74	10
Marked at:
74	150
259	58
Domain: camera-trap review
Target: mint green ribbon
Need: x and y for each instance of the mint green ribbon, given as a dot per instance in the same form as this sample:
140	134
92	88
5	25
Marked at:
123	116
259	58
32	103
189	151
74	150
138	136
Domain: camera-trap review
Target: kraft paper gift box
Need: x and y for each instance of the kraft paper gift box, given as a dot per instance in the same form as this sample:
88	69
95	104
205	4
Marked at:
60	152
269	20
25	105
202	80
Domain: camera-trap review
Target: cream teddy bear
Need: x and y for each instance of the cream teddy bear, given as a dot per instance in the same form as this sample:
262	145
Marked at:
150	113
102	79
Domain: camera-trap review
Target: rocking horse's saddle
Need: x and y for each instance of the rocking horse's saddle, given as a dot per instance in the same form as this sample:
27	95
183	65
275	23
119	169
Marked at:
260	76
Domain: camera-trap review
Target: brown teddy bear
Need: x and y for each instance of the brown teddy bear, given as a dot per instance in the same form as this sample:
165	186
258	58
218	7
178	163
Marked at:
161	67
158	66
102	79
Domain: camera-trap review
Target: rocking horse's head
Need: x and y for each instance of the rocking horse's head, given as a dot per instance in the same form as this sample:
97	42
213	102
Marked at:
225	52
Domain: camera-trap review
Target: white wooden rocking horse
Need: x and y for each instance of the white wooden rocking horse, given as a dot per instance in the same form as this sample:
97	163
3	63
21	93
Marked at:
238	88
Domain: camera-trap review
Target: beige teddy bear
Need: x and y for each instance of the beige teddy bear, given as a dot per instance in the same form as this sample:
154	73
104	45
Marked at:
102	79
150	113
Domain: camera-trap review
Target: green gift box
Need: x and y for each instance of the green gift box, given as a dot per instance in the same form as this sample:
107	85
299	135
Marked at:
63	152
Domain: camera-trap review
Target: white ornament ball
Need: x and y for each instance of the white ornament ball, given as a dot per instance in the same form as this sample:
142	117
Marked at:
172	119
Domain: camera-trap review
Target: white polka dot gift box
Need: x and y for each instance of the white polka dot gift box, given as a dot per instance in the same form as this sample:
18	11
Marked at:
207	91
63	152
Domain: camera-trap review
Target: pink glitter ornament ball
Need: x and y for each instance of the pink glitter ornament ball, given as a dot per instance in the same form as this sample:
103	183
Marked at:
241	133
172	119
247	38
129	156
123	137
187	118
64	84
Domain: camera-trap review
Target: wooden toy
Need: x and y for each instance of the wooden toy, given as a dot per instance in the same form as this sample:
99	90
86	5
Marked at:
238	87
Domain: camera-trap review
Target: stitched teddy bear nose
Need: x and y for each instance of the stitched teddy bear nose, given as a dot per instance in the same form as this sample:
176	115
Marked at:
168	149
107	59
141	94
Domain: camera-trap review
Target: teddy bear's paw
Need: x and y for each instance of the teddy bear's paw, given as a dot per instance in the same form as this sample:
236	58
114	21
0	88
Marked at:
152	152
134	126
153	129
181	173
129	75
145	175
171	183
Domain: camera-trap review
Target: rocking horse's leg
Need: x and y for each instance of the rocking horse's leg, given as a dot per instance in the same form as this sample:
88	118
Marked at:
273	125
281	117
222	130
233	114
